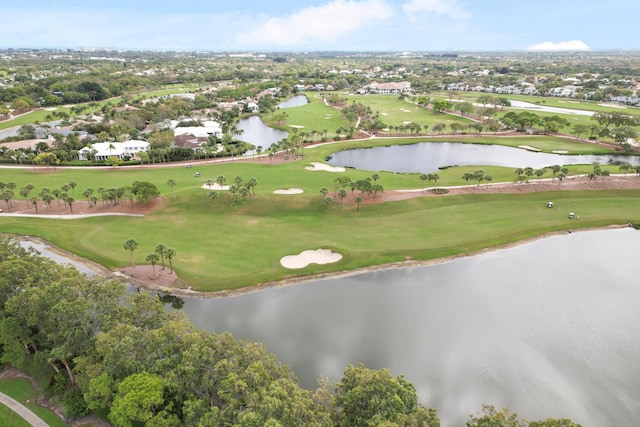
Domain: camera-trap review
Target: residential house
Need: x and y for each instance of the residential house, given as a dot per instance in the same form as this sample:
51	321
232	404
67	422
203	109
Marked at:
208	128
388	88
103	150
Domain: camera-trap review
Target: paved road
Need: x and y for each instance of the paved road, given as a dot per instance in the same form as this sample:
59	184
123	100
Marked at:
22	410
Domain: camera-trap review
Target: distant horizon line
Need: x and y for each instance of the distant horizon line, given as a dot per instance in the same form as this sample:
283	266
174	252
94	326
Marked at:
88	49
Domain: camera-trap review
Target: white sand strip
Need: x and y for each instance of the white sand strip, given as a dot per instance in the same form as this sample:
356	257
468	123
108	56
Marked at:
528	147
215	186
316	166
303	259
289	191
560	151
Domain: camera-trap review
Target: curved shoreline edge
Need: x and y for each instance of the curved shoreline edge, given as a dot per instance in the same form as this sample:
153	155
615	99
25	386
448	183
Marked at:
191	293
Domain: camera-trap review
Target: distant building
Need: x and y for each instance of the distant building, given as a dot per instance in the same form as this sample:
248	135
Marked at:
103	150
390	88
208	128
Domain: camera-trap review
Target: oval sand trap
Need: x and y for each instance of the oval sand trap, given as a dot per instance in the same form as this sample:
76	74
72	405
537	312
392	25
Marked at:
316	166
289	191
303	259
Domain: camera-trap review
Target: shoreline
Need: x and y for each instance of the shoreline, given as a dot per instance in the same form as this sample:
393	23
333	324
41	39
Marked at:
191	293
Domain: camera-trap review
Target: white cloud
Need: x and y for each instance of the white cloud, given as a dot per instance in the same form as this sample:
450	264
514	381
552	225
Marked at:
568	45
316	25
450	8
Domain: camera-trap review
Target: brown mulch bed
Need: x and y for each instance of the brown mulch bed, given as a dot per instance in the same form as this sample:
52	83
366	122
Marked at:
81	207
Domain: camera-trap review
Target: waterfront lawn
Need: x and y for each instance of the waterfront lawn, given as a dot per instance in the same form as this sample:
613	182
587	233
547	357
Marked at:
395	111
220	246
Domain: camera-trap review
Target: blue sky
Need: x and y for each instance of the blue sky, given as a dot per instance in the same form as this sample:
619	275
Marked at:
321	25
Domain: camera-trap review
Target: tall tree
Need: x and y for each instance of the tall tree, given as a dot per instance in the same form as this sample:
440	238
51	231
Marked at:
153	260
161	249
131	245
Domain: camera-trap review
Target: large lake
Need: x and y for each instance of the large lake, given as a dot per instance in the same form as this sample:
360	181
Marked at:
429	157
548	328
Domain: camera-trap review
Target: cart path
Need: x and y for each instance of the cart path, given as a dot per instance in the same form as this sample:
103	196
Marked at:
22	410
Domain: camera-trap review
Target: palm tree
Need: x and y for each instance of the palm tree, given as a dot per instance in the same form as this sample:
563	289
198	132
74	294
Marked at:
34	201
160	250
170	253
131	245
153	260
324	191
342	193
171	183
251	184
358	201
69	200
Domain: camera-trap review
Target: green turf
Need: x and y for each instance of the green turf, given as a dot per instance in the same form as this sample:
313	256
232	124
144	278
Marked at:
21	390
8	418
222	246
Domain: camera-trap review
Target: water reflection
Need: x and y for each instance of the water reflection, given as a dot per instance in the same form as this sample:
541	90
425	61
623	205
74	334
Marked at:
60	259
257	133
294	101
548	329
428	157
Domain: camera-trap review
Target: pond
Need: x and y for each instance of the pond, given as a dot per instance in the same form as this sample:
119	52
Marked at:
548	328
427	157
258	133
294	101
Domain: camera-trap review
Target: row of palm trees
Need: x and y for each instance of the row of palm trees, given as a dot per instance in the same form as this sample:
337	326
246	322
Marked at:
160	253
239	188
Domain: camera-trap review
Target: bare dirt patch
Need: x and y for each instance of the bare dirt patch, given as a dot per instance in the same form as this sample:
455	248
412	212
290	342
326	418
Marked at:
81	207
150	277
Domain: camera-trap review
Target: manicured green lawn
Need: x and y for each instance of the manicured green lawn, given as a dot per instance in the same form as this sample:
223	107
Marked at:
8	418
220	246
21	390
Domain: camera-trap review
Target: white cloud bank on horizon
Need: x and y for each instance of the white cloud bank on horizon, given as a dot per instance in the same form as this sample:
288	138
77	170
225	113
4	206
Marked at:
450	8
317	24
555	46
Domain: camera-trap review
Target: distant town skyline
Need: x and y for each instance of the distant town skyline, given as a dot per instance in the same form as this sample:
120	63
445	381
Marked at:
324	25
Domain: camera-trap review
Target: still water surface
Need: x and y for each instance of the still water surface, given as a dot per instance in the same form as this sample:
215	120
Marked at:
259	134
294	101
426	157
548	329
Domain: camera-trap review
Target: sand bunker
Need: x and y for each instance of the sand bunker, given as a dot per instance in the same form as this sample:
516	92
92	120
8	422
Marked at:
215	186
289	191
528	147
560	152
296	126
303	259
316	166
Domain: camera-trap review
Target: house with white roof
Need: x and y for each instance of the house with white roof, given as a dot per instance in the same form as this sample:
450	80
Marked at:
388	88
103	150
208	128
